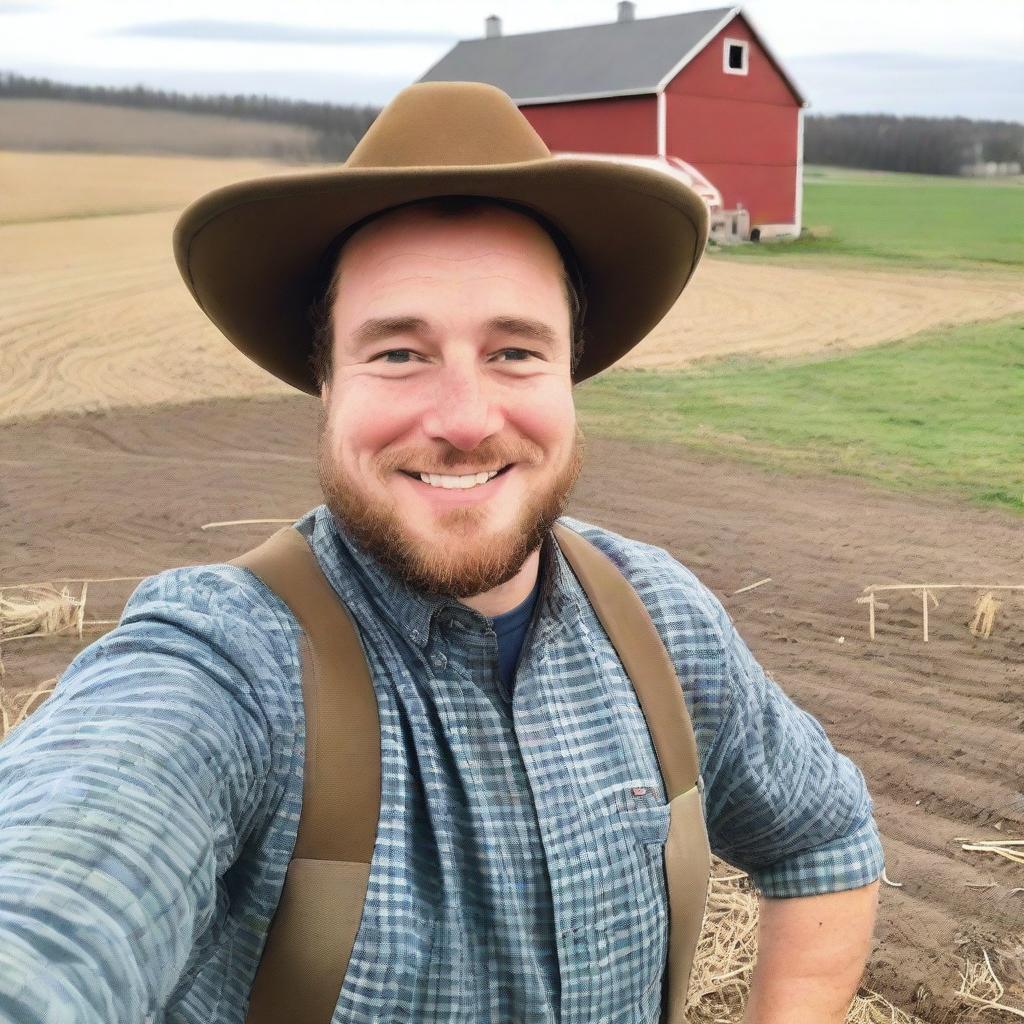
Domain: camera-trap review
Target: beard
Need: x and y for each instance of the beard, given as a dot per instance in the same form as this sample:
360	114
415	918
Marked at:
465	558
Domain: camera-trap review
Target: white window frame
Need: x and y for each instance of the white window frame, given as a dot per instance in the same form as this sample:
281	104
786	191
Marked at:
745	49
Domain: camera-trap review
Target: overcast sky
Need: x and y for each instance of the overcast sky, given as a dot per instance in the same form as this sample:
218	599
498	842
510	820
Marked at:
932	57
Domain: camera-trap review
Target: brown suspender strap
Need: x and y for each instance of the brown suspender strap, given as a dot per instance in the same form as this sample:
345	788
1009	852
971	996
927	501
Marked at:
311	937
643	656
312	934
640	649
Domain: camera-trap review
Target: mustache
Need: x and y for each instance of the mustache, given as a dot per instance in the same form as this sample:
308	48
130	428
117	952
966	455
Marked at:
492	454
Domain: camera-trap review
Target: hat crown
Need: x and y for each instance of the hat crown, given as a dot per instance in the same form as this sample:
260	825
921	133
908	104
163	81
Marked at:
448	124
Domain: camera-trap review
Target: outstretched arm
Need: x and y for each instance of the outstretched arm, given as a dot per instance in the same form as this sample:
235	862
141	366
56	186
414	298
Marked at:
811	955
123	799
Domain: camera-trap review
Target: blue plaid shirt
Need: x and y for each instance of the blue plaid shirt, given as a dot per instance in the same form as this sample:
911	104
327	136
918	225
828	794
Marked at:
148	809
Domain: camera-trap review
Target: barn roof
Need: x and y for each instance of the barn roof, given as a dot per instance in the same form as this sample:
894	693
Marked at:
612	59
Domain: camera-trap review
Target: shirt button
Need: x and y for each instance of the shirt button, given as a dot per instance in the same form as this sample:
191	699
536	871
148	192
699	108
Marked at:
438	660
414	636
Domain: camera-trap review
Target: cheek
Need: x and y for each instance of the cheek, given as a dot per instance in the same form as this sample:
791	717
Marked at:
366	421
548	419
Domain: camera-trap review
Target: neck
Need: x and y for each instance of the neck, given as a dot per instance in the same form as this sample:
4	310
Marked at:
508	595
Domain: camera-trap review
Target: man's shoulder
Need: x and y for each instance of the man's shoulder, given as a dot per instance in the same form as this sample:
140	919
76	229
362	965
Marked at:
209	614
215	588
672	593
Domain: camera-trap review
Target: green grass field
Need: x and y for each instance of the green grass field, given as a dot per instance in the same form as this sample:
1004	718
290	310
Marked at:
910	218
943	410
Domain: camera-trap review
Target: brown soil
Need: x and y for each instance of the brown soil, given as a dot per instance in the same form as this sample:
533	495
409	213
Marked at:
937	728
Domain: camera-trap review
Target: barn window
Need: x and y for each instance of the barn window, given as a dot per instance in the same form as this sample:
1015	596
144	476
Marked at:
734	56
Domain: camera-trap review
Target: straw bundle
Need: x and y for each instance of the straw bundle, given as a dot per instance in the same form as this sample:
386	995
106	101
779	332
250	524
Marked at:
38	610
985	615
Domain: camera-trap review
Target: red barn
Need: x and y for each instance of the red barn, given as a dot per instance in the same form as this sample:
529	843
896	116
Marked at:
702	87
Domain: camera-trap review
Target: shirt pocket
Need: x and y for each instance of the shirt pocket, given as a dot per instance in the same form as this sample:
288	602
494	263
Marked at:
640	820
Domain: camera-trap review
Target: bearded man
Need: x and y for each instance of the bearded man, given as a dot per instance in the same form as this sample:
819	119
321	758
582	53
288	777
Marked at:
442	294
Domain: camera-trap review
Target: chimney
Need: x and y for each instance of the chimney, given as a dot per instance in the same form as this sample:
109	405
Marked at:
627	10
492	26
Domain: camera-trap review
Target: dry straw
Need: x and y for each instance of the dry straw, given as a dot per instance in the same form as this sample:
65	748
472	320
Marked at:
41	609
727	951
31	610
981	987
1008	849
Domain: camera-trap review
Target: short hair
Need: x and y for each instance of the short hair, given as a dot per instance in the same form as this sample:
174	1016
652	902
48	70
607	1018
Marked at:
321	310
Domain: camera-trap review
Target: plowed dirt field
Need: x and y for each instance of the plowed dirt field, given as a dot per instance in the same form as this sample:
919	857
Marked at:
937	728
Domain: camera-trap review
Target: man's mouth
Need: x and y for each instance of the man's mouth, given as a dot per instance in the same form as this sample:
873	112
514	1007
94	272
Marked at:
455	482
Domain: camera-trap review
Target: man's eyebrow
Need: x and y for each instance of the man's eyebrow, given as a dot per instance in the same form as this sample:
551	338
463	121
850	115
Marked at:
379	328
523	327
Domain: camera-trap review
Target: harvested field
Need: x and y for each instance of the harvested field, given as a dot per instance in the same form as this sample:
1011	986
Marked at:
93	314
937	728
737	307
38	124
71	186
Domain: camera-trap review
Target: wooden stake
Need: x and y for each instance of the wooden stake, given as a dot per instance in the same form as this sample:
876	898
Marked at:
872	604
924	605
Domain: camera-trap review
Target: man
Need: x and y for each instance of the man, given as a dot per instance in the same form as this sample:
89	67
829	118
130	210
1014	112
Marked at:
148	810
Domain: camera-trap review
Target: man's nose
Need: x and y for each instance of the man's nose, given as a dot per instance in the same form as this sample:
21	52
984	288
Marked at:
463	411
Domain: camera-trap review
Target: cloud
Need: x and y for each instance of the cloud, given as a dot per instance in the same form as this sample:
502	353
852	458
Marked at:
11	7
912	84
270	32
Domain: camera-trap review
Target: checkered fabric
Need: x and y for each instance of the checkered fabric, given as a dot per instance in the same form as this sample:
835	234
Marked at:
148	810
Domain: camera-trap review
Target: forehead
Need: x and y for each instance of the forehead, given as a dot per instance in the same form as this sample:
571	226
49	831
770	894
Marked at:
490	235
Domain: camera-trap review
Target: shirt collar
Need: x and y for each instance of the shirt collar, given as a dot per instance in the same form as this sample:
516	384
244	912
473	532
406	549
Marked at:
359	578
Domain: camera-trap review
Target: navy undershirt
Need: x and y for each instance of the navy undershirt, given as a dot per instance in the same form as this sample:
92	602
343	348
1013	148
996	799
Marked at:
511	632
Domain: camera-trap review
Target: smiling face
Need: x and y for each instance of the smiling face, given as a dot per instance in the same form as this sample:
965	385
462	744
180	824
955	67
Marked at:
448	441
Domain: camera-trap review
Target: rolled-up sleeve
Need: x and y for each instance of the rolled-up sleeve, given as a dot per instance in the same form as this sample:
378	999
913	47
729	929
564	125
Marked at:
781	802
125	797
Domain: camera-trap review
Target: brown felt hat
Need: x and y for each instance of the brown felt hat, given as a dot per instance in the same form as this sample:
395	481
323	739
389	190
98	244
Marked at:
251	253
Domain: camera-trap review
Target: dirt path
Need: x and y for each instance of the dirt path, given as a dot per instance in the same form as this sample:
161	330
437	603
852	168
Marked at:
938	729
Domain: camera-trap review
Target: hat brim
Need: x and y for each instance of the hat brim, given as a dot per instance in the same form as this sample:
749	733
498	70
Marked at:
250	252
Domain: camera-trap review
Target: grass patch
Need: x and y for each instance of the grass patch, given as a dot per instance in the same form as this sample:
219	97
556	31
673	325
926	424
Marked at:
906	218
944	410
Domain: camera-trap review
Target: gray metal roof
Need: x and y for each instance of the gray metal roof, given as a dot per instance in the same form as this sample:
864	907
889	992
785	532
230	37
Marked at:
609	59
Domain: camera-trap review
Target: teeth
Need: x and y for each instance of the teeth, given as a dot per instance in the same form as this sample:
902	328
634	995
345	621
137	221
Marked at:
457	482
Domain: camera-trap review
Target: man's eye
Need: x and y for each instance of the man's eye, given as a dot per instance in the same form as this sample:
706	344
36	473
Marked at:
395	355
515	354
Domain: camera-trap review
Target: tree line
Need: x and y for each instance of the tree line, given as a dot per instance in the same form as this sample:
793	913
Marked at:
924	145
339	126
